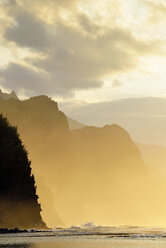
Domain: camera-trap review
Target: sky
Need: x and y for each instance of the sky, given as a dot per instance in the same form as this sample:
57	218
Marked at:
89	51
83	52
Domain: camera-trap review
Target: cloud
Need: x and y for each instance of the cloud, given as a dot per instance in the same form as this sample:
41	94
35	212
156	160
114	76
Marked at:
116	83
28	31
53	3
77	52
156	11
86	24
120	111
22	77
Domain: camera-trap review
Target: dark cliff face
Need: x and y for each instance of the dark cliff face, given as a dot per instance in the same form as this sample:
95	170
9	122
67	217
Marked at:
39	121
19	205
43	128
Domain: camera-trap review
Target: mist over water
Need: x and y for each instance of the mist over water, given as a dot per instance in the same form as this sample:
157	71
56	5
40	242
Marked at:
88	237
98	244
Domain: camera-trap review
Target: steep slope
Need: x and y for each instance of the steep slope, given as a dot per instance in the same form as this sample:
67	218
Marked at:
88	174
111	180
144	118
73	124
39	122
155	156
19	205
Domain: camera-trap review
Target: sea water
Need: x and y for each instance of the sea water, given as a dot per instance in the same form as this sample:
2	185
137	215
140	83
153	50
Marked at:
87	237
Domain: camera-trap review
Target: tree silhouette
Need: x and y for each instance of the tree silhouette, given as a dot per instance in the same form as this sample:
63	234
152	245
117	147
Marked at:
19	205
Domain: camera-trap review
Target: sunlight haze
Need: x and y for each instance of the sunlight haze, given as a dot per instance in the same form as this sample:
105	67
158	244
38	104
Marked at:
85	83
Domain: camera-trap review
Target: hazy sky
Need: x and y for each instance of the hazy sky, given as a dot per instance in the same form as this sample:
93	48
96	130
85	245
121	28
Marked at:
84	52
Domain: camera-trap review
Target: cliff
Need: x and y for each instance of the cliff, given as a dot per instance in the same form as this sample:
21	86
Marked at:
41	127
73	124
89	174
19	205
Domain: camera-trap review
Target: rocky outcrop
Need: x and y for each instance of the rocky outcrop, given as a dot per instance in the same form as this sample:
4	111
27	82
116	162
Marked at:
43	128
19	205
6	96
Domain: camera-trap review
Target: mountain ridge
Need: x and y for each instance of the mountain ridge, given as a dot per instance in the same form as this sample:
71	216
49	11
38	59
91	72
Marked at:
95	172
6	96
19	202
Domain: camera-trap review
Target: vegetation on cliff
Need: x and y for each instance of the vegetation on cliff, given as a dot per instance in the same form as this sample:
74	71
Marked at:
19	205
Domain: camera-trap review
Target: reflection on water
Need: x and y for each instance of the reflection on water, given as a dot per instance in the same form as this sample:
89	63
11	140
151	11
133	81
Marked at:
17	246
92	244
88	237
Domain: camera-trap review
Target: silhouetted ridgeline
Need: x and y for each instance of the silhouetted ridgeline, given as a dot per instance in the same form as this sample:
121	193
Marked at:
19	205
73	124
6	96
90	174
42	127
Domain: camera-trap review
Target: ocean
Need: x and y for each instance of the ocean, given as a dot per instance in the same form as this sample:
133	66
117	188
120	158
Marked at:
87	237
